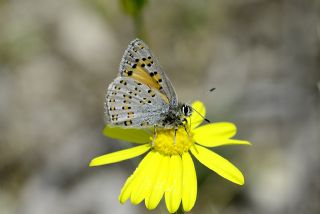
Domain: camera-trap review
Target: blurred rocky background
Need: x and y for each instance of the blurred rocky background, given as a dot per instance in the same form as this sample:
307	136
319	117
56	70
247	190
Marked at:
58	57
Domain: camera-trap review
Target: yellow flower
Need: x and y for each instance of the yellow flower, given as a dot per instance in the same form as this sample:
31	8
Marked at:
168	170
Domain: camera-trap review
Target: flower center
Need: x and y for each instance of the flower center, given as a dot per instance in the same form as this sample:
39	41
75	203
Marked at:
165	143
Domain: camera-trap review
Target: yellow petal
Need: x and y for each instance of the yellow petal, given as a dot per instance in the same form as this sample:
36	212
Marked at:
189	183
218	164
152	176
120	155
195	119
129	135
174	184
223	142
127	188
144	182
158	187
213	131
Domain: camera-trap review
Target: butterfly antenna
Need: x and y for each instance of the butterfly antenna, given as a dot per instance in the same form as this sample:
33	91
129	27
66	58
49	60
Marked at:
212	89
208	121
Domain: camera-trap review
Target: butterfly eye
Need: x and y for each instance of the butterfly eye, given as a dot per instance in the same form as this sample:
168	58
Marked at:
186	110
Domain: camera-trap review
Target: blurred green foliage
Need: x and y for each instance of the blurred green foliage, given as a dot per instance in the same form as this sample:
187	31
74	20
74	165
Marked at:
134	9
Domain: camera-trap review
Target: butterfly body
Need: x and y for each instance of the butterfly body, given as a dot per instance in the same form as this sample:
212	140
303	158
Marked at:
142	95
175	116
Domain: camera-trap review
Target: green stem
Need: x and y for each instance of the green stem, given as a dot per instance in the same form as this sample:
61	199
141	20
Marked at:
138	26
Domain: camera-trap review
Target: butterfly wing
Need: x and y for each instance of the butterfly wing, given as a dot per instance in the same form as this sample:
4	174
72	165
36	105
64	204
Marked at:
139	63
130	104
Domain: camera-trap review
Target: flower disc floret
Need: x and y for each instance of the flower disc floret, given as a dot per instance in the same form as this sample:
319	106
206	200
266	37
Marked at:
168	143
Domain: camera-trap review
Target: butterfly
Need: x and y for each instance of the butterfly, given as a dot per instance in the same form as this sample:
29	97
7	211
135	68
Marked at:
142	96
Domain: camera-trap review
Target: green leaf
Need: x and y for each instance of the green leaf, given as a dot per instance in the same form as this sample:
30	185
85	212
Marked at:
133	7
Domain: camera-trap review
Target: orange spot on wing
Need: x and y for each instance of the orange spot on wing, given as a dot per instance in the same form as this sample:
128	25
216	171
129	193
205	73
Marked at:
141	75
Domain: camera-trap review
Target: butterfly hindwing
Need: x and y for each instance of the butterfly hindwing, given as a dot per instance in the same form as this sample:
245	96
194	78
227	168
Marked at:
130	103
139	63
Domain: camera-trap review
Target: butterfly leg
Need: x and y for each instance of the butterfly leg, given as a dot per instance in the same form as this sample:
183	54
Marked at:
185	126
154	135
175	135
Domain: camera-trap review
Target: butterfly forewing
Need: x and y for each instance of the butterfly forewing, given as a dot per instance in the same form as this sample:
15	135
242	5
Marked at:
139	63
130	103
